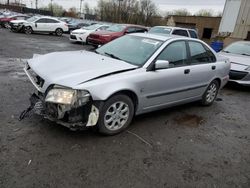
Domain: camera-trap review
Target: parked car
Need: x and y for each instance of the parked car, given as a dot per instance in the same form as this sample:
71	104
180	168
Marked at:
113	32
239	55
45	25
174	31
134	74
81	35
5	21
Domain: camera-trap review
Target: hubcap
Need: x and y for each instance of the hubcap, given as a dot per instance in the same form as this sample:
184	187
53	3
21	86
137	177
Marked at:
28	30
116	116
59	32
211	93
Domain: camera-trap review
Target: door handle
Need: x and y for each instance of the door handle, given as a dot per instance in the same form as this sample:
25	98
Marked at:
213	67
186	71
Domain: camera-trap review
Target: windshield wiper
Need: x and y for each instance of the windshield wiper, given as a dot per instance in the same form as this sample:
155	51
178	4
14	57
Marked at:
112	56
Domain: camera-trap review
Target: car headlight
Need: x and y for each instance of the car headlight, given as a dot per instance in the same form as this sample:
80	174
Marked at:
81	33
67	96
106	35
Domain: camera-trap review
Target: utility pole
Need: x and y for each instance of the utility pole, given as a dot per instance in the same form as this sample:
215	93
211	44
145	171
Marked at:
36	4
81	7
51	6
8	2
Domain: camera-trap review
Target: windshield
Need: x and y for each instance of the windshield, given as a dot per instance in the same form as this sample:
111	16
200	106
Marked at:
116	28
32	19
131	49
162	30
242	48
92	27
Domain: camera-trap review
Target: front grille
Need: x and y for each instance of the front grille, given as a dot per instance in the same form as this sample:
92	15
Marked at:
237	75
72	36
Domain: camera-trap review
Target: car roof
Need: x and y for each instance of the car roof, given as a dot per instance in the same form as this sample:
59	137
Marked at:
172	27
162	37
134	25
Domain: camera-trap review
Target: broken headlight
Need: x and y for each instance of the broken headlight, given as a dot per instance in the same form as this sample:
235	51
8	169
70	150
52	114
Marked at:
67	96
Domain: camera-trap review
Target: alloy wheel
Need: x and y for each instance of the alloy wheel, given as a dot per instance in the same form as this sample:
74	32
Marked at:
116	116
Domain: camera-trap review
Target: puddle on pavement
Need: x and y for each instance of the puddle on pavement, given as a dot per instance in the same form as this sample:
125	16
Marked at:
189	120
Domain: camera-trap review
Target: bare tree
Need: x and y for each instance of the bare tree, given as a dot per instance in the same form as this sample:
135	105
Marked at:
181	12
205	12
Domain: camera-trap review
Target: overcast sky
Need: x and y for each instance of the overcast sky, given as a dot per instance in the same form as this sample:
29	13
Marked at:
163	5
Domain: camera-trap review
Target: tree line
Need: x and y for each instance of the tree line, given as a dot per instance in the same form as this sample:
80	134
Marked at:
144	12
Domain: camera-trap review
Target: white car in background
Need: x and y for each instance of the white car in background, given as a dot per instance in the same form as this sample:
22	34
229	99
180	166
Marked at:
45	25
191	33
239	55
81	35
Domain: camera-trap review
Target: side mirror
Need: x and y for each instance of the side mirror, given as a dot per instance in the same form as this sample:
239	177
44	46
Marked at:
161	64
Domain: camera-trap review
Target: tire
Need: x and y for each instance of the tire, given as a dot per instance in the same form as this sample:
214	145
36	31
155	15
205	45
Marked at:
28	30
116	115
211	93
59	32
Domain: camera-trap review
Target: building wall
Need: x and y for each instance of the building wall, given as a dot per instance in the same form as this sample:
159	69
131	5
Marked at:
196	22
243	21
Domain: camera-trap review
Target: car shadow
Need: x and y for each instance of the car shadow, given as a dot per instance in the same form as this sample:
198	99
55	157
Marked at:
238	87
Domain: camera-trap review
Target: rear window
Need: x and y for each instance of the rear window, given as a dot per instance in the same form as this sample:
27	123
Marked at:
180	32
161	30
193	34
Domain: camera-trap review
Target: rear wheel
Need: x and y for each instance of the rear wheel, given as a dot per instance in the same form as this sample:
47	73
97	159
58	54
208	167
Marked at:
116	114
211	93
59	32
28	30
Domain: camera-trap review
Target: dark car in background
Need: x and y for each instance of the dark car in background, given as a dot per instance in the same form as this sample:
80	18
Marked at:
113	32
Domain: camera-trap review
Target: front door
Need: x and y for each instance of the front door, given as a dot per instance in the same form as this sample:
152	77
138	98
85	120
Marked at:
169	85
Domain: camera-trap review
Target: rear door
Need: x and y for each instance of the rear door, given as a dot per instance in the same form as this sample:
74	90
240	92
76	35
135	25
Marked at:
52	25
202	66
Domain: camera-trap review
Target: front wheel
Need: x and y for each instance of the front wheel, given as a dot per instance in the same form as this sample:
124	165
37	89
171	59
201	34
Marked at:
28	30
211	93
116	114
59	32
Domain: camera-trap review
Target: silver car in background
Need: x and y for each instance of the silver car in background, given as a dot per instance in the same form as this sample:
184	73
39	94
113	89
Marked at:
239	56
132	75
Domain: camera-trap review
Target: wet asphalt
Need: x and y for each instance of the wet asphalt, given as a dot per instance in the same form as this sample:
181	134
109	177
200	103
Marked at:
184	146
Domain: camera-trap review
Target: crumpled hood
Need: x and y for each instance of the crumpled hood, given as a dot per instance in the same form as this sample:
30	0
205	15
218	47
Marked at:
238	62
18	21
80	31
73	68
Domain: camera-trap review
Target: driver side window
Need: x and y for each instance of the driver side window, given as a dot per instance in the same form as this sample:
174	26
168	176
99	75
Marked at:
175	53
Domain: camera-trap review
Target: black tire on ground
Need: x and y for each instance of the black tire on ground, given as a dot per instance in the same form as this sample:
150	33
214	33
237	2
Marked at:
28	30
120	117
59	32
211	93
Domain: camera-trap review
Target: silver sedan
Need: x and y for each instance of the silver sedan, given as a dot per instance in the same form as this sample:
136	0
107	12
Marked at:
239	56
134	74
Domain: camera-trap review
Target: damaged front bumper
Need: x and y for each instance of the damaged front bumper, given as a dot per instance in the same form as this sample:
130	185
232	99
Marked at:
73	117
